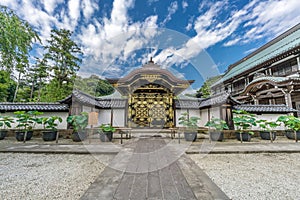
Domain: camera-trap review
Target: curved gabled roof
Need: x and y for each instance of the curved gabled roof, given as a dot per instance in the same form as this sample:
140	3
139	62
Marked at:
276	81
150	73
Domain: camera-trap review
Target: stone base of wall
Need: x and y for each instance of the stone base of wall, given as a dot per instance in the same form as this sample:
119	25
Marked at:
63	133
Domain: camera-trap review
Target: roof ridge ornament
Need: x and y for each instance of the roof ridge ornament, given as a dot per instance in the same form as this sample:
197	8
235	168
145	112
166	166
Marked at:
151	64
151	61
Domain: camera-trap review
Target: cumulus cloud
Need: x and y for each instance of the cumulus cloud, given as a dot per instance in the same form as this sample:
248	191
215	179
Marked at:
88	7
255	20
171	10
118	36
266	19
51	5
184	5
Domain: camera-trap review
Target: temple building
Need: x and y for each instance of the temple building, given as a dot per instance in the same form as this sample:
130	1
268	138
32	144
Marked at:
269	75
149	97
266	83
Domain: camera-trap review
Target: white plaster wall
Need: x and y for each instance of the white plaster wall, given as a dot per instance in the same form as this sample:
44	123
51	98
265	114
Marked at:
62	125
204	117
195	113
192	113
104	116
178	114
119	117
87	109
215	112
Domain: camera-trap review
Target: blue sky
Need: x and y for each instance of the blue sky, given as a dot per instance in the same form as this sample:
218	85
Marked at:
194	39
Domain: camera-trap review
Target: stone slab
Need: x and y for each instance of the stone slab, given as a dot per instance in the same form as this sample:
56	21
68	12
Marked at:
152	173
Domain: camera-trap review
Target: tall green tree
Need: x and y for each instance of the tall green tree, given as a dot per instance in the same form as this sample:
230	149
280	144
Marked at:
7	86
64	57
36	78
16	39
20	69
204	90
94	85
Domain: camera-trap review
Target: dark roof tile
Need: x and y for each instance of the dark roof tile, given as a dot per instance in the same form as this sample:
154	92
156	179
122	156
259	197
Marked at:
112	103
187	103
7	106
265	108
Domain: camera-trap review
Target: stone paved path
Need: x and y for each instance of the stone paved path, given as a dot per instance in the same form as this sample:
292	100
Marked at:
151	169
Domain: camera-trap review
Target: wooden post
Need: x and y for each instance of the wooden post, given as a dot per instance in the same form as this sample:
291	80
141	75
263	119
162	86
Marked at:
93	120
57	136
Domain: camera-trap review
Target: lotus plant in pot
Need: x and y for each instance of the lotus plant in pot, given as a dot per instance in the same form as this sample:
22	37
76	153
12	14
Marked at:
50	126
106	132
267	132
243	122
79	124
191	126
26	123
5	122
217	125
292	125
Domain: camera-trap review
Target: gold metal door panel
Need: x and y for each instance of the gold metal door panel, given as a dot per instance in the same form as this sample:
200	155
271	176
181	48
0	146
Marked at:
150	109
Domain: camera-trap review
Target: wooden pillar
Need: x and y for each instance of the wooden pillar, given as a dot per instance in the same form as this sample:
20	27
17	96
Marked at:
288	99
229	117
208	114
270	101
126	113
256	102
111	116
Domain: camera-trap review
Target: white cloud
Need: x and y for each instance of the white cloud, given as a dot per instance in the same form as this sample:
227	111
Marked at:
171	10
117	36
209	32
271	18
232	42
249	51
88	8
184	5
150	2
189	26
266	19
51	5
74	13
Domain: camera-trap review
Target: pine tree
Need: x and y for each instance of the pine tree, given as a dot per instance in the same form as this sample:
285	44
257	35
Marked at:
65	57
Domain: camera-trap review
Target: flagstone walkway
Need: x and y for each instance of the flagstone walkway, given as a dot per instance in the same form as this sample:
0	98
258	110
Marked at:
151	169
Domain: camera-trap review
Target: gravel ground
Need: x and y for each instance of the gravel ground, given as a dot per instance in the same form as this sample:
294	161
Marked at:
254	176
48	176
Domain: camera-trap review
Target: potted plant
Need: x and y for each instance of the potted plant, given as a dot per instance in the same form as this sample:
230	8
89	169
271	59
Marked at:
292	125
267	132
50	124
79	123
218	126
243	121
106	132
5	122
191	126
26	123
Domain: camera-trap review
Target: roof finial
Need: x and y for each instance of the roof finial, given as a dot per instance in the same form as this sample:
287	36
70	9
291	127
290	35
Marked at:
151	61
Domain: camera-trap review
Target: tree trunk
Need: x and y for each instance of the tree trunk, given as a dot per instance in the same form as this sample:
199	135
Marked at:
17	87
39	93
31	92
